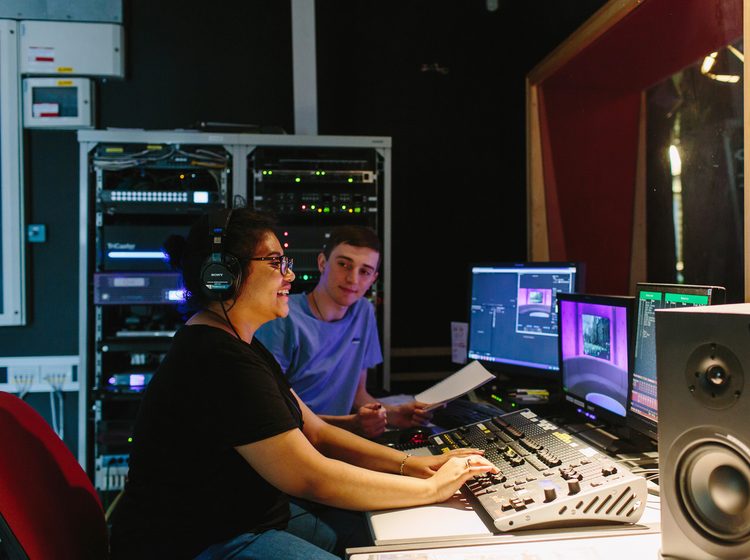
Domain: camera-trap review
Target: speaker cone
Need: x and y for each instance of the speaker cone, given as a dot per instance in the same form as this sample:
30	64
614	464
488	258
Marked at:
713	488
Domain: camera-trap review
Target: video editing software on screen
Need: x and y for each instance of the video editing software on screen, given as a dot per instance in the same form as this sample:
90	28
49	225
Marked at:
643	398
513	316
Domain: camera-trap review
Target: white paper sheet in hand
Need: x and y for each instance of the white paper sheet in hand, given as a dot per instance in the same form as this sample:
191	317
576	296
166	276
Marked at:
464	380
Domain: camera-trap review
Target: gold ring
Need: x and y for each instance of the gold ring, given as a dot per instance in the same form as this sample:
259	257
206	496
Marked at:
468	463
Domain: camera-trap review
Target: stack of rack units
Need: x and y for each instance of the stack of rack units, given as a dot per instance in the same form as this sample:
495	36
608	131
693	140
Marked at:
311	190
145	193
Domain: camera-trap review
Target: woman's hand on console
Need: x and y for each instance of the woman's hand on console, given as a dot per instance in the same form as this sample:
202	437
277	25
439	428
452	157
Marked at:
457	470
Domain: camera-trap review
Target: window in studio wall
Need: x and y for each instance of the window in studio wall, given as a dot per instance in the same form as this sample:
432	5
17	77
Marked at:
694	174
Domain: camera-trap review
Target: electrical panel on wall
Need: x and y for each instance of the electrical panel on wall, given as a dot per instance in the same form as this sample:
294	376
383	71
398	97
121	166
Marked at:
144	193
58	103
71	48
313	190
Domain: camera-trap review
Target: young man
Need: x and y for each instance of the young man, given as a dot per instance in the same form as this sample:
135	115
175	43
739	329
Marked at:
329	339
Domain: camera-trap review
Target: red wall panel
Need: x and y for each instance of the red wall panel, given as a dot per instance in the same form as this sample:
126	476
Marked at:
589	115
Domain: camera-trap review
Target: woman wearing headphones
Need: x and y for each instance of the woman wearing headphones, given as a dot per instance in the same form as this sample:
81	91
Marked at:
221	440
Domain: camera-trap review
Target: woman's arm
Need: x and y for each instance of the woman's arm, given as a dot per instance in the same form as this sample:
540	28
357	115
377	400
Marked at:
292	464
340	444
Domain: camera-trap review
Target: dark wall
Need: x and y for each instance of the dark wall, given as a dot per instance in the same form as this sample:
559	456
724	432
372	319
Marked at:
51	176
444	78
194	61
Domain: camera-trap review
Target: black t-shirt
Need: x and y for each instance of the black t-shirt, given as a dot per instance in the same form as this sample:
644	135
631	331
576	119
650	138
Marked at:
188	488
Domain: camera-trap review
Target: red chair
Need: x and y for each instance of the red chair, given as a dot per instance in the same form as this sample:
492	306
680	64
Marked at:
48	507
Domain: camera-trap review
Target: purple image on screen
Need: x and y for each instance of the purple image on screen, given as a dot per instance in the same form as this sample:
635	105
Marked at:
535	296
594	344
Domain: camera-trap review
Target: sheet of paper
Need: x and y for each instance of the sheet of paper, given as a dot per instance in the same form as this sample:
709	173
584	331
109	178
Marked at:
464	380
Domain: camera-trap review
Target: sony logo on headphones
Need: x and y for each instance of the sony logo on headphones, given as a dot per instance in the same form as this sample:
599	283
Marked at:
217	274
128	246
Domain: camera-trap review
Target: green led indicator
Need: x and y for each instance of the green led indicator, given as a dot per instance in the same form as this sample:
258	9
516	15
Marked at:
343	206
350	180
264	172
130	440
357	210
326	209
322	172
305	277
312	207
297	179
270	172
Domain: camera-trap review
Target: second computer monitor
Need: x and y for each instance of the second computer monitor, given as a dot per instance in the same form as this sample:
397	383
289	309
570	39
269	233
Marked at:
595	354
643	412
513	316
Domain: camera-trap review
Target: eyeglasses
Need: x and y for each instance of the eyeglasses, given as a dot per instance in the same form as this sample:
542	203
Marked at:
284	263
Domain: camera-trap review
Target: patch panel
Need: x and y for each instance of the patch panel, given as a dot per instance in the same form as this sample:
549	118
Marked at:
111	472
41	374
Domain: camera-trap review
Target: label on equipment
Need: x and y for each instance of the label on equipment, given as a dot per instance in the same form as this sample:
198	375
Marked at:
129	282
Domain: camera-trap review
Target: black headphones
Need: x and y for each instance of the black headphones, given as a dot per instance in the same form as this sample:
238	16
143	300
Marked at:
221	273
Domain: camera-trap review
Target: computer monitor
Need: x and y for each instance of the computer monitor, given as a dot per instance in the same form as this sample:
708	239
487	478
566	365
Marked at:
643	409
595	354
513	316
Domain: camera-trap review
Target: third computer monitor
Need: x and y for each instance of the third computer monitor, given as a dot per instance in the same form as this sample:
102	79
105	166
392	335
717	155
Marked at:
643	412
513	316
595	354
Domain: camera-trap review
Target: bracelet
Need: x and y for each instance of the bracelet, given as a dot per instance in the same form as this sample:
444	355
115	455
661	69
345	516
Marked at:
403	462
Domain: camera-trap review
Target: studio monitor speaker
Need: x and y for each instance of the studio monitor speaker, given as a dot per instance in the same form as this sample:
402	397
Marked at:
703	364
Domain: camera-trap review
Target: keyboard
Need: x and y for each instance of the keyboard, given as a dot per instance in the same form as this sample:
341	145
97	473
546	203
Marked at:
460	412
548	477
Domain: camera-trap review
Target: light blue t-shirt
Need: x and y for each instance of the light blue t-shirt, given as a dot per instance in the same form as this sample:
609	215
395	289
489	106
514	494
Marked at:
323	360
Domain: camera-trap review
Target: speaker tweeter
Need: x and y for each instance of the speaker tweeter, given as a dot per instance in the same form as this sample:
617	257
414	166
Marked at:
714	376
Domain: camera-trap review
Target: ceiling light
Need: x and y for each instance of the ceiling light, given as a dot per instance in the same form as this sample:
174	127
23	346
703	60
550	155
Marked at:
708	63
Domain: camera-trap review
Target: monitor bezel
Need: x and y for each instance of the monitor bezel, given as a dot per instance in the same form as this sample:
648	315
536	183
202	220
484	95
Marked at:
600	413
717	296
516	371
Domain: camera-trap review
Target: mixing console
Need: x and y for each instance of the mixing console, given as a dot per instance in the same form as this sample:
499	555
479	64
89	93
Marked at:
548	477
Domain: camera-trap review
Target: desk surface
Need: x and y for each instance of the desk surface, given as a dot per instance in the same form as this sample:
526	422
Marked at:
453	530
456	520
643	547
